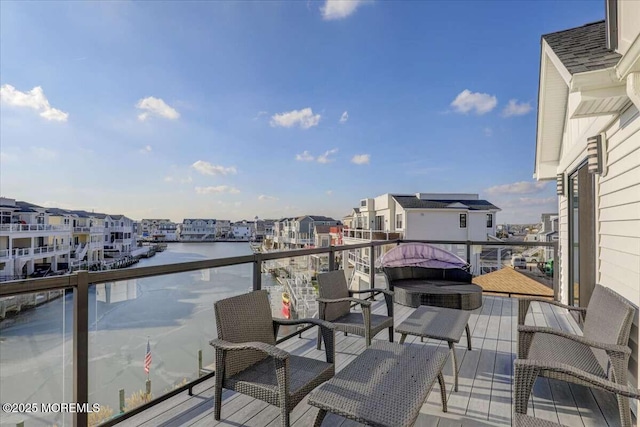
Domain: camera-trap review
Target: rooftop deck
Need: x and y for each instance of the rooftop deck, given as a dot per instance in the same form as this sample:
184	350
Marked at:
483	399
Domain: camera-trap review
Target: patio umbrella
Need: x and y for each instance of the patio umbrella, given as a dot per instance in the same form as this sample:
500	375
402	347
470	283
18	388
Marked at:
420	255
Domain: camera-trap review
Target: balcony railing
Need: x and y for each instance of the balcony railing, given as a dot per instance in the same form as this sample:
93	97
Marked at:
362	234
10	228
82	283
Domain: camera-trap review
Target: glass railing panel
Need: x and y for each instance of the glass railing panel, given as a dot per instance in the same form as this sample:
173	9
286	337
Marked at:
173	314
36	357
513	268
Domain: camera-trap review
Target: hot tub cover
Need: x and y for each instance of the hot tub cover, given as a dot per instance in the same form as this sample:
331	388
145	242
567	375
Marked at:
420	255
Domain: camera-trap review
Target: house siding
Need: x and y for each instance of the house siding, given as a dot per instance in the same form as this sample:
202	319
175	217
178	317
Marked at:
619	217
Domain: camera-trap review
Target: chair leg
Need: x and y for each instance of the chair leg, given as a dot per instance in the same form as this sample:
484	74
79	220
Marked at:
319	338
455	365
391	334
625	412
319	418
466	328
443	392
284	415
218	402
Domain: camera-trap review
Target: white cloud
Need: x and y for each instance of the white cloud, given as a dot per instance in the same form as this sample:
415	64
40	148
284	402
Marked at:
339	9
206	168
522	187
171	178
303	118
514	108
264	197
260	114
361	159
33	99
467	101
6	157
156	107
305	157
521	202
488	131
43	153
146	149
344	117
329	192
217	190
324	158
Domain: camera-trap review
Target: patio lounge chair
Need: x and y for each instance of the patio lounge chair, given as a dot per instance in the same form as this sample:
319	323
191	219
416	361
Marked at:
334	305
601	353
248	361
525	374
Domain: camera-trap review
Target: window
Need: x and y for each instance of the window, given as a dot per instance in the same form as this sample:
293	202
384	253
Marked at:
399	221
463	220
489	220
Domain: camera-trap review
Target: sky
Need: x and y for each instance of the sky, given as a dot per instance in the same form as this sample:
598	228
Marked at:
238	109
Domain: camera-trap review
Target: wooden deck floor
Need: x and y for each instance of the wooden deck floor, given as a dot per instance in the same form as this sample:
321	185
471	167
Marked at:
485	379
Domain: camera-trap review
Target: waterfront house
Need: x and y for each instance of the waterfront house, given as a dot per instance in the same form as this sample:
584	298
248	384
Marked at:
148	226
242	230
588	142
197	229
30	237
119	235
298	232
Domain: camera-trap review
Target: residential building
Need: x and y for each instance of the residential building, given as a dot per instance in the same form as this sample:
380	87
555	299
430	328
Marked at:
29	240
242	230
119	235
149	227
588	141
419	216
424	216
197	229
298	232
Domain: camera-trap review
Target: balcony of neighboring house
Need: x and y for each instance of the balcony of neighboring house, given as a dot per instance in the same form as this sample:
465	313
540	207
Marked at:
369	235
181	395
26	229
88	230
43	251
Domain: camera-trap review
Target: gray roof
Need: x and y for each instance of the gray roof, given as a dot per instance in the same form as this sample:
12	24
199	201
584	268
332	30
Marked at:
412	202
583	48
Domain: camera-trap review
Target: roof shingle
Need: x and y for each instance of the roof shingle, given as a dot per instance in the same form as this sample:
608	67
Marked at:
583	48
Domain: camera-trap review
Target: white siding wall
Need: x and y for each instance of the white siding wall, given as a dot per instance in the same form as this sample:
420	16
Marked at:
445	225
617	213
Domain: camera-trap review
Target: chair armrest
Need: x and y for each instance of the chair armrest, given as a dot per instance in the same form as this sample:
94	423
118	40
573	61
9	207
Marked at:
327	330
384	291
268	349
534	366
523	307
526	333
317	322
350	299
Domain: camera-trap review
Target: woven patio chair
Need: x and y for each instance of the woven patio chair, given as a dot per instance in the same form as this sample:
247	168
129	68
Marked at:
334	305
248	361
525	374
601	352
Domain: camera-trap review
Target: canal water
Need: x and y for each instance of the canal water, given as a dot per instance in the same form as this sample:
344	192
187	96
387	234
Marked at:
173	313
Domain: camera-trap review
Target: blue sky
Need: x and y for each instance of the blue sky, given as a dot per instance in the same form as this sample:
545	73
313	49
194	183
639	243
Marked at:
236	109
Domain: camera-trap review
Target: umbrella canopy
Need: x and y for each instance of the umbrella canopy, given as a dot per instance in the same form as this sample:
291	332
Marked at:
420	255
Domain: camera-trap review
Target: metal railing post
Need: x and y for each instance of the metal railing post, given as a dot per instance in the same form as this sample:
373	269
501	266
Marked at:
257	272
372	263
556	275
81	346
332	259
468	252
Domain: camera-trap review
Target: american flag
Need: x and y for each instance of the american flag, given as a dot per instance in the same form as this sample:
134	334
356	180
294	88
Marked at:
147	358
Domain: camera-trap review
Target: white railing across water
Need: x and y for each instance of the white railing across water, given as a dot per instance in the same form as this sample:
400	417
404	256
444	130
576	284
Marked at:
33	227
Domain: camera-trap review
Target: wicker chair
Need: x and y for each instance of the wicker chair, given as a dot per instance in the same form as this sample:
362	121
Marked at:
334	305
601	353
248	361
525	374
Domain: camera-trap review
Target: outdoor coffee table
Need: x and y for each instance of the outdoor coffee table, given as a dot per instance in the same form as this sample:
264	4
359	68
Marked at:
439	323
386	385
